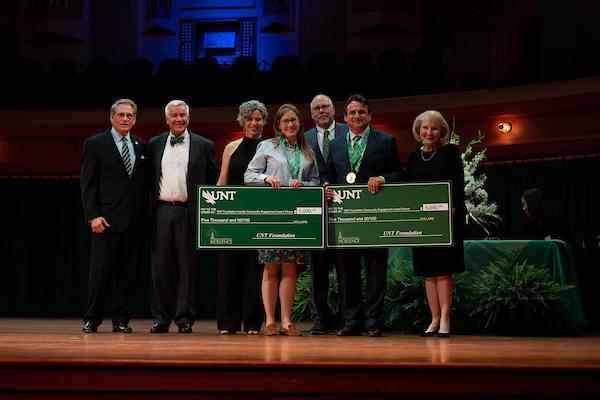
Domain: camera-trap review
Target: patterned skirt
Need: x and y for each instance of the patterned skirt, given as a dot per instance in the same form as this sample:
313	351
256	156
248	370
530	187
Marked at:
278	256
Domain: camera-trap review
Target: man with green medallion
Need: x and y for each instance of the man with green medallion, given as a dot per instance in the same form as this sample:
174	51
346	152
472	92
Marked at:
362	156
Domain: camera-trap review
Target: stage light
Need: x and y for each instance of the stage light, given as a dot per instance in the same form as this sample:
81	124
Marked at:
505	127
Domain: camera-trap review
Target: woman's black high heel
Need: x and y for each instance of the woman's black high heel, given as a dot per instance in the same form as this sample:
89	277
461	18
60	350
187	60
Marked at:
430	333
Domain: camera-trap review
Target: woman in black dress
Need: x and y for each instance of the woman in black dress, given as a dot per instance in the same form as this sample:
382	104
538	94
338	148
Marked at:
437	160
239	275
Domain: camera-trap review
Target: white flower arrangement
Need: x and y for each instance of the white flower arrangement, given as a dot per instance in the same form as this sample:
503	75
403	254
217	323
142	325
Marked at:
479	210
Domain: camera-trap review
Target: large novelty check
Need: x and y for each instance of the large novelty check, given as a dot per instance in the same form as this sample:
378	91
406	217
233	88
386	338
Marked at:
246	217
406	214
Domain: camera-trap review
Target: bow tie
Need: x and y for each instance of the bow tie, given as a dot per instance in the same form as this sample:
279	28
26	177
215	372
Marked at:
176	139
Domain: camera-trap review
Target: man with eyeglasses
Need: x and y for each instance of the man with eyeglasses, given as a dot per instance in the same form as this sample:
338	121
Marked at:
114	193
326	129
369	157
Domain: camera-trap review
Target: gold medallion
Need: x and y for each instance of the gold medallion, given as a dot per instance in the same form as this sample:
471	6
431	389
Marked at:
351	177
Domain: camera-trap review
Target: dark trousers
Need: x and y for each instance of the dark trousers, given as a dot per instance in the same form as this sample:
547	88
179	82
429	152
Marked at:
174	261
349	270
114	259
239	279
320	265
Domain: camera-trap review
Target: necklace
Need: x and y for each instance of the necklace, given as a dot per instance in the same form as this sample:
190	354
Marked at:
428	158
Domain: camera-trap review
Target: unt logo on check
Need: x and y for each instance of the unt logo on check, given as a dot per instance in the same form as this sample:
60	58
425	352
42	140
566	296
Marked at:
346	194
211	196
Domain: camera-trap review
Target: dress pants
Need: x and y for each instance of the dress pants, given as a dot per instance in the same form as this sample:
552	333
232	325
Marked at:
349	270
174	261
321	263
114	259
239	279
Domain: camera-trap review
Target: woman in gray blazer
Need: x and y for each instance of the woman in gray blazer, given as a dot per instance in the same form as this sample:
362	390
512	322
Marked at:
285	160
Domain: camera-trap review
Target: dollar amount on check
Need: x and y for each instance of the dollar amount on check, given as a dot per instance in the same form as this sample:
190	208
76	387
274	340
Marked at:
406	214
260	217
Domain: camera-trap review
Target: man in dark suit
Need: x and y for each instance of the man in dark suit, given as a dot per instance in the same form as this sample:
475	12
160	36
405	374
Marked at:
180	161
364	156
326	129
114	194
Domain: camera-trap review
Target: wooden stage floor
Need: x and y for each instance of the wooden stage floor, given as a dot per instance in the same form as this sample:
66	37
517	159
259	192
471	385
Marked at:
51	358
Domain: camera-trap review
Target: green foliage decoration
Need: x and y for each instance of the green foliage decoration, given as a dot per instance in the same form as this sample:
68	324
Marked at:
504	298
301	309
518	299
405	305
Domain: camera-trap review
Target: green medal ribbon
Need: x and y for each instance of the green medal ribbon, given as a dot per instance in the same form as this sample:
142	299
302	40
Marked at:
293	161
356	149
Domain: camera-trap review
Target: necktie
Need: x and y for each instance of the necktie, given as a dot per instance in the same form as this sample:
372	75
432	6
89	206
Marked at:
325	144
176	139
356	141
125	155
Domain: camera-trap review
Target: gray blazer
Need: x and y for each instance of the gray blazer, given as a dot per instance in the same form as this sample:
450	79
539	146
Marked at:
311	138
270	160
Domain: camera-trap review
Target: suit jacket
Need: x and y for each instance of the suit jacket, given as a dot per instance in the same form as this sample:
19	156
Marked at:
312	140
106	188
202	169
380	158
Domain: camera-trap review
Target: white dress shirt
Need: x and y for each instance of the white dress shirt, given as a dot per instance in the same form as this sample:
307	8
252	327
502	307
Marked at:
173	170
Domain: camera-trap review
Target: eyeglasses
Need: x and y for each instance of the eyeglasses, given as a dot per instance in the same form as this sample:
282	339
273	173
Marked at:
289	121
125	115
323	107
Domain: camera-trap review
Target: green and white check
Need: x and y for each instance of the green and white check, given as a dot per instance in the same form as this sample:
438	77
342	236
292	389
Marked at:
260	217
407	214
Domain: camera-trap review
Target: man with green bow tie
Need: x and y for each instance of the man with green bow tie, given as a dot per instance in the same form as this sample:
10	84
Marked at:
180	161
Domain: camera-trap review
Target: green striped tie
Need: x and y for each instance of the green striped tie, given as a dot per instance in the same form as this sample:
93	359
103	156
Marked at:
325	144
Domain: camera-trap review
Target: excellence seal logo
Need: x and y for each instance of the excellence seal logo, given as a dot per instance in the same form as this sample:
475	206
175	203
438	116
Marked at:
341	239
219	241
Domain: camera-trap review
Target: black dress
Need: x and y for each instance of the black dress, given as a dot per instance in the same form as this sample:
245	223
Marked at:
444	164
239	275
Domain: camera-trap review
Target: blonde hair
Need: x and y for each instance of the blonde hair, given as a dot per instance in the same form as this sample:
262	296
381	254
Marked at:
433	115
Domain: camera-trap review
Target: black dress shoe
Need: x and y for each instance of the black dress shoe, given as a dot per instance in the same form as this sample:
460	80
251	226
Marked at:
347	331
89	327
429	333
159	328
122	327
185	328
375	332
443	335
319	329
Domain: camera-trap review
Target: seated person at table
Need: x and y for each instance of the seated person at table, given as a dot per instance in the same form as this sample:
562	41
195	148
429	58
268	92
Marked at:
541	224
